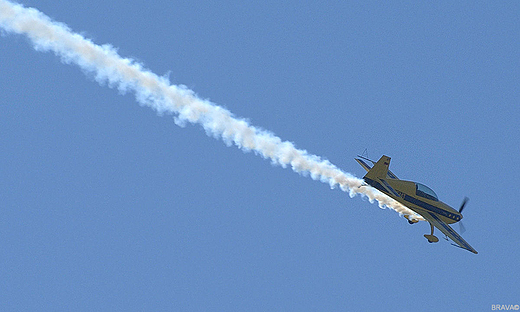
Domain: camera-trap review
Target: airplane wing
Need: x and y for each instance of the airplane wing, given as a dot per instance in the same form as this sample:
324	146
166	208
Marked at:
448	231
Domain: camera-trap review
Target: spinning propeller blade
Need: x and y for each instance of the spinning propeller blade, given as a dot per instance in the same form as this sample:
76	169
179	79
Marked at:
463	204
462	228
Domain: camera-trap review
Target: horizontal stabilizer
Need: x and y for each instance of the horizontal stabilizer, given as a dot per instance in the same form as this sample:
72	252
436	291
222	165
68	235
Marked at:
364	164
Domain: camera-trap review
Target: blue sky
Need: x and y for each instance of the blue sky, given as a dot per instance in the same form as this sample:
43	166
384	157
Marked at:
107	206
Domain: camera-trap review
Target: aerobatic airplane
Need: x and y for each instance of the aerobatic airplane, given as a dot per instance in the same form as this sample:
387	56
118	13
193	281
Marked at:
416	196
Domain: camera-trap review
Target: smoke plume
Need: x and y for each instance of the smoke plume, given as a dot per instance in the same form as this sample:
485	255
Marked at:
154	91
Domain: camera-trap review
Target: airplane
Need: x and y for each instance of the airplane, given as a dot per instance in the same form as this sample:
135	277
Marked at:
417	197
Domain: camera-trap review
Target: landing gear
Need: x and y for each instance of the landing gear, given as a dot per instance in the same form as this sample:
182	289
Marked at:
411	220
431	238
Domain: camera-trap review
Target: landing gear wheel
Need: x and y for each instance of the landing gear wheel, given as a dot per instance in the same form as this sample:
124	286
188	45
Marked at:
431	238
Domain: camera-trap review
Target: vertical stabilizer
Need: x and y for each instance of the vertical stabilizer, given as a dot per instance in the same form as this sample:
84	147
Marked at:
380	169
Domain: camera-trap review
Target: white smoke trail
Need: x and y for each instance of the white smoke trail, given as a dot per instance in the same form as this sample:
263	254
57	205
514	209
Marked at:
157	92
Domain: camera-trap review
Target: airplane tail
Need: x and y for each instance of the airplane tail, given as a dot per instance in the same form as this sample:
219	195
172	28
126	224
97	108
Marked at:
380	169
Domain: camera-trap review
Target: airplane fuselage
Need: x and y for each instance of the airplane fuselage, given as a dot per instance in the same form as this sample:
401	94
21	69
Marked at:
406	193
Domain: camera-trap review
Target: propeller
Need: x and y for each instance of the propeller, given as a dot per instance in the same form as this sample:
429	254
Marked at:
462	228
463	204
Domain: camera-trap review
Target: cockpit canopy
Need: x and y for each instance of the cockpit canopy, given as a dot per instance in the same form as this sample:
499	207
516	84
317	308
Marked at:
426	192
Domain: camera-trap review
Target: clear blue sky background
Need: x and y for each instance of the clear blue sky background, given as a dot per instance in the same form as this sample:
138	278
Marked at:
107	207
